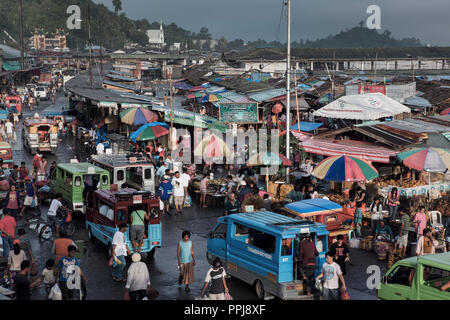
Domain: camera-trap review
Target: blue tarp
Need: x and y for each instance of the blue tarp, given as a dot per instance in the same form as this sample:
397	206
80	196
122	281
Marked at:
307	126
182	86
313	206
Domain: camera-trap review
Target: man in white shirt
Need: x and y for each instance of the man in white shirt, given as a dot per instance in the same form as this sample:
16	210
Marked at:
100	148
138	279
186	180
9	130
178	192
53	210
119	252
331	272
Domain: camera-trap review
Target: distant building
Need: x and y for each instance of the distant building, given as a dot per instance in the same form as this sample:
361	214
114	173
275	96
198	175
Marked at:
156	37
40	42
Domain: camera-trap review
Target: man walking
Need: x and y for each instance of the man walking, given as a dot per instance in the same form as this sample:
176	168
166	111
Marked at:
69	275
216	276
31	191
119	252
8	232
331	272
340	253
138	280
22	283
178	192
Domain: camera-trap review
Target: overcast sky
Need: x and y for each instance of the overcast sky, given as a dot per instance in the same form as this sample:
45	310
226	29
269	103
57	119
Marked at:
427	20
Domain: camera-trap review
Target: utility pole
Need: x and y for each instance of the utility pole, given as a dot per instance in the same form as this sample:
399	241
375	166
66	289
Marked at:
288	86
21	35
101	49
171	112
91	80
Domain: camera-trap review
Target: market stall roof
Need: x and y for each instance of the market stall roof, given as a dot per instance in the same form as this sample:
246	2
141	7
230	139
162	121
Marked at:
268	94
311	207
362	150
417	102
369	106
307	126
420	125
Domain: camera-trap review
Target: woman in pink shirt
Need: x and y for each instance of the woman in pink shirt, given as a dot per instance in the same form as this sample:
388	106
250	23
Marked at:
421	220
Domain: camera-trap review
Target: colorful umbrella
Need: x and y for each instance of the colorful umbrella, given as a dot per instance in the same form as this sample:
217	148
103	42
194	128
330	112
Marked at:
426	159
210	98
138	116
268	159
445	112
150	131
212	146
345	168
195	95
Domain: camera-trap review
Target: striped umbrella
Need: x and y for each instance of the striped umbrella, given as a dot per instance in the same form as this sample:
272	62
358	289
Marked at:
138	116
426	159
150	131
345	168
445	112
195	95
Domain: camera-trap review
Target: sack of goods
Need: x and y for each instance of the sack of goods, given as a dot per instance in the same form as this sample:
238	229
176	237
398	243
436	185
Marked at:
354	243
55	293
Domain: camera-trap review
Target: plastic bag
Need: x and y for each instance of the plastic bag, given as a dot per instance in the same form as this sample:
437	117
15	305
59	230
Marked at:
55	293
161	205
110	263
319	287
345	295
354	243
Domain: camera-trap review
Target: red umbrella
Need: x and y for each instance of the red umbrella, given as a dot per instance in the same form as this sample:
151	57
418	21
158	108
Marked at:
277	108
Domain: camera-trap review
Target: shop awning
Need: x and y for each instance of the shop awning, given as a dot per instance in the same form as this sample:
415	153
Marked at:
307	126
11	65
313	207
349	147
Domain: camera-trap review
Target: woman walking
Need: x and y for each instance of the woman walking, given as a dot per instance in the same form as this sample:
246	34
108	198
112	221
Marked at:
186	260
13	202
15	259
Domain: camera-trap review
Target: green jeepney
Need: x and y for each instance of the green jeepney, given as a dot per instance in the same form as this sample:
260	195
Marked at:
417	278
75	180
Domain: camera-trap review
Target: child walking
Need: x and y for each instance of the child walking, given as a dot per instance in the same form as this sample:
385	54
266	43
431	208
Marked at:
48	275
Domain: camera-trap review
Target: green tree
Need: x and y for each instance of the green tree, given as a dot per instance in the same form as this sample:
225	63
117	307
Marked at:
222	45
204	34
117	5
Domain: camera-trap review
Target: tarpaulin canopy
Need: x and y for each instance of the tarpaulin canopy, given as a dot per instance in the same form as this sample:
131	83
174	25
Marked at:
307	126
369	106
417	102
350	148
11	65
311	207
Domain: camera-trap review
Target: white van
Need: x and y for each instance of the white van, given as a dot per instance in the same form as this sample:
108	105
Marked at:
41	92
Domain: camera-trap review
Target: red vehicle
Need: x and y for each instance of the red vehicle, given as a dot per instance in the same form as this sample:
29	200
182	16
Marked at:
109	208
322	211
14	101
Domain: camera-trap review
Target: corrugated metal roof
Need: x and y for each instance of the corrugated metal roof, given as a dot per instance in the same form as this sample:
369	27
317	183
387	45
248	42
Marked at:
123	78
265	95
119	85
417	102
417	126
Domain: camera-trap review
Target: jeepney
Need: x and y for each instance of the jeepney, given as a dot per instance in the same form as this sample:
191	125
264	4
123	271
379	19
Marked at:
259	249
40	134
417	278
110	208
14	102
77	182
127	170
323	211
6	155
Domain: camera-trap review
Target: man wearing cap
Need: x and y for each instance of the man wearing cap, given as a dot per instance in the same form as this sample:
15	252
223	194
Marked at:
138	280
31	193
164	193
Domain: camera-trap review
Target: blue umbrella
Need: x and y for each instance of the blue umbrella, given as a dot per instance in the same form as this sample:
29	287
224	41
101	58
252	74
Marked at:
150	131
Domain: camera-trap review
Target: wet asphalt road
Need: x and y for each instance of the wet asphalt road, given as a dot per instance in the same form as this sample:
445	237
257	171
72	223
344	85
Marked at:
163	268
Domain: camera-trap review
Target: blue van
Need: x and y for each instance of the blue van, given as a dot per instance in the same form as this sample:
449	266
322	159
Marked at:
259	248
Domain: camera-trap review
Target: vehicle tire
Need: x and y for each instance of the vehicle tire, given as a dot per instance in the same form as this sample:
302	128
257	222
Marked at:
151	254
46	232
109	249
259	290
91	236
69	229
